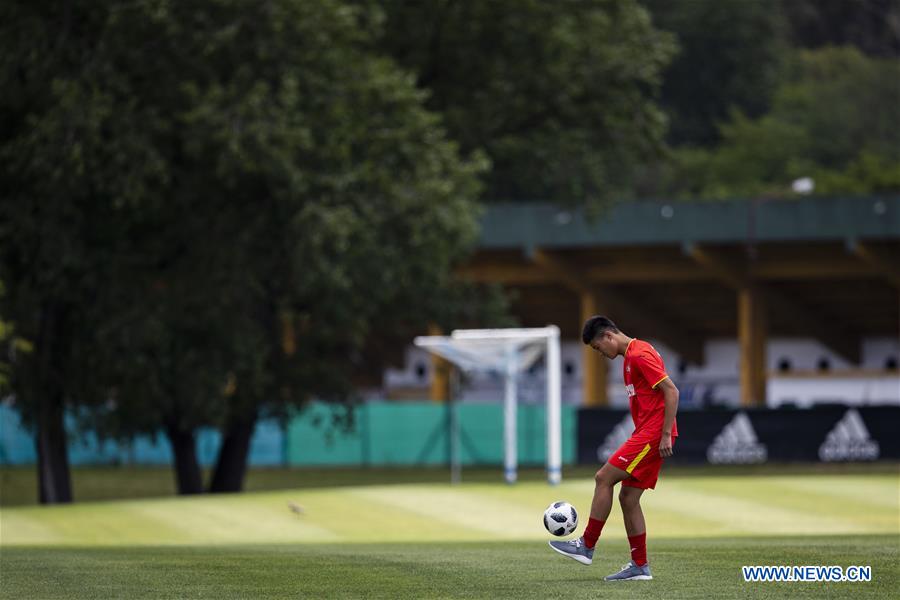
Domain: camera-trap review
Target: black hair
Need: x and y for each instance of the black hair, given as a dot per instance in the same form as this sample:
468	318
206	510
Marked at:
596	326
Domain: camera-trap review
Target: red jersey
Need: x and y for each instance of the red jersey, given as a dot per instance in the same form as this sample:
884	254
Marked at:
643	371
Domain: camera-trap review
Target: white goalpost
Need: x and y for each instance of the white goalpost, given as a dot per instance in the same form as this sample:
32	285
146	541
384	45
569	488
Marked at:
509	351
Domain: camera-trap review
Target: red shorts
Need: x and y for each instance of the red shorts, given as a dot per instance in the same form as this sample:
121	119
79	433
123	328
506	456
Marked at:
641	460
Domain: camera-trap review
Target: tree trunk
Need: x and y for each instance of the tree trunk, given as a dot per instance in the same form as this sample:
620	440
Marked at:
231	465
54	483
187	469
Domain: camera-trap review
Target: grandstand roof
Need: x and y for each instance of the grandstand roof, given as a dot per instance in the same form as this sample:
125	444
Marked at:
643	223
827	268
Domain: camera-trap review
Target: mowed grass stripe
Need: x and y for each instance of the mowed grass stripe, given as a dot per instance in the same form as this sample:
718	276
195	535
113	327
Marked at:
854	504
731	514
465	508
883	492
234	521
702	506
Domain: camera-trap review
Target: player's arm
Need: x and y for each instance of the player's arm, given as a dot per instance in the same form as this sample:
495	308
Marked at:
670	394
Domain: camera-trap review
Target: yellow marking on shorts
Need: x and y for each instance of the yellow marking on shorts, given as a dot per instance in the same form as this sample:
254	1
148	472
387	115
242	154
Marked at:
637	459
653	387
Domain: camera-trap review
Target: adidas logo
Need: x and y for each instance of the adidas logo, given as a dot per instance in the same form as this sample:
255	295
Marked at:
737	444
849	440
618	436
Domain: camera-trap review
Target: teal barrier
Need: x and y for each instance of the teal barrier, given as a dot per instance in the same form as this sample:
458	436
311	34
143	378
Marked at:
416	433
85	448
379	434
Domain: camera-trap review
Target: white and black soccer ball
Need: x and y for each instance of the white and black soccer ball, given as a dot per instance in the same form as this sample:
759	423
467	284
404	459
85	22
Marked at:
560	518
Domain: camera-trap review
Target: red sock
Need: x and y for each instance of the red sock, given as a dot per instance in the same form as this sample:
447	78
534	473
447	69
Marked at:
638	549
592	532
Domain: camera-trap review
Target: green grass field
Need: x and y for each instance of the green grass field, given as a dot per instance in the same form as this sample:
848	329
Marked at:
484	540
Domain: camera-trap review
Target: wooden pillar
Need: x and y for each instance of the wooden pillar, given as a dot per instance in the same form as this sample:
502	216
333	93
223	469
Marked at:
593	364
440	373
752	343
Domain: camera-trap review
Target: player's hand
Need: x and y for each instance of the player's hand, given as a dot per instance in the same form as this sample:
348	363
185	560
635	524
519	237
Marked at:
665	446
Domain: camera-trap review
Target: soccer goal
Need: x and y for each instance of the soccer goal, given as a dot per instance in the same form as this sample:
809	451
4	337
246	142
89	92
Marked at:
508	351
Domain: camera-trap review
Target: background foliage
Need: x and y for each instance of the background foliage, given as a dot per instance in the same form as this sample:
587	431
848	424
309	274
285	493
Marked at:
215	211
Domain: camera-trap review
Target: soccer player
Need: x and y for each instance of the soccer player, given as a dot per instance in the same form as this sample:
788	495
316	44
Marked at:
653	400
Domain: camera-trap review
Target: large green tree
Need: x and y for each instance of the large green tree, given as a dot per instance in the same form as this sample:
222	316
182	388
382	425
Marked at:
75	165
213	208
559	95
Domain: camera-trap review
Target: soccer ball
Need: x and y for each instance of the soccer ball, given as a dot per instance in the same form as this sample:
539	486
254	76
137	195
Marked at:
560	518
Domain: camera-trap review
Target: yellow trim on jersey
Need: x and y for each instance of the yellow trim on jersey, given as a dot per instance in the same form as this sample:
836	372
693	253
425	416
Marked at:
653	387
628	346
637	459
